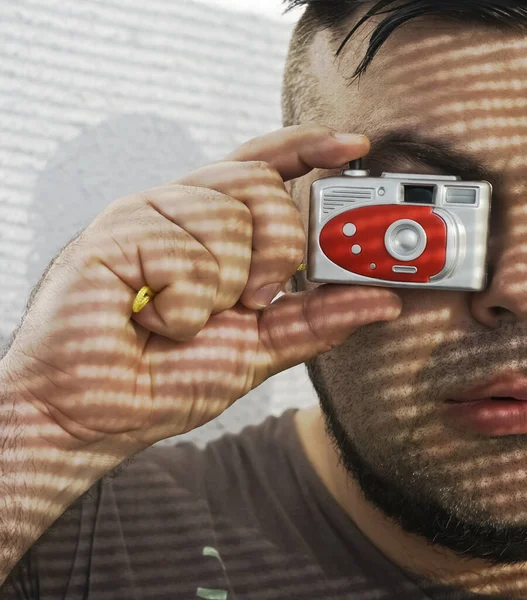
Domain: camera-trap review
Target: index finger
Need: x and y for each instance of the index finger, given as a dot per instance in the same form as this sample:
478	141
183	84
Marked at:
294	151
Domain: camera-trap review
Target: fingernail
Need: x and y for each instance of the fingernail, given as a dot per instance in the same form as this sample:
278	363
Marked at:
264	296
351	138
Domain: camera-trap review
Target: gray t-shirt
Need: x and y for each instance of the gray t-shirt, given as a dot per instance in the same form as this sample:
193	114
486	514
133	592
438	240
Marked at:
245	518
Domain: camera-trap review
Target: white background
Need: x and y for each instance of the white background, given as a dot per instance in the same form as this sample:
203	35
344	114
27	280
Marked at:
266	8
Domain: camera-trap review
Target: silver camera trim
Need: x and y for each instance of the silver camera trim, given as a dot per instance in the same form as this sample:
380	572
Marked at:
467	226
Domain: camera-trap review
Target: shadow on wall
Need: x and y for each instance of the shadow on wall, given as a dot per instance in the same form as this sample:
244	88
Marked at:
122	155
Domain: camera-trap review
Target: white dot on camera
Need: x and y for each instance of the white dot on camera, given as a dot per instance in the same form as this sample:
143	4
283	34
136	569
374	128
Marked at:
349	229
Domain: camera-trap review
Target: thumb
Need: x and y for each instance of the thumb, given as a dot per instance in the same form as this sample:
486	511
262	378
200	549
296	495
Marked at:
298	327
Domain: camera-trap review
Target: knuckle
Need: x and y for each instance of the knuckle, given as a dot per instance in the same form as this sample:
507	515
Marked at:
205	194
204	268
239	221
177	248
312	308
187	256
263	167
313	129
196	292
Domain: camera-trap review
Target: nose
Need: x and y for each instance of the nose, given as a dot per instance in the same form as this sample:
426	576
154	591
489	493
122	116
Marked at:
506	294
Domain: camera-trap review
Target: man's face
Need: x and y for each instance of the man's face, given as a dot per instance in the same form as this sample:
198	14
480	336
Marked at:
385	392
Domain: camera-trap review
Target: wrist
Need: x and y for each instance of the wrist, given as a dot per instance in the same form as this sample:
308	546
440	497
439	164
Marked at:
40	478
45	435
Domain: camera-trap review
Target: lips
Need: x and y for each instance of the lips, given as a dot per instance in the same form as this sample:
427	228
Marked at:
506	386
497	408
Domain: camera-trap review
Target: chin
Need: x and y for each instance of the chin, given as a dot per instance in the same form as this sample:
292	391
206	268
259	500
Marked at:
484	519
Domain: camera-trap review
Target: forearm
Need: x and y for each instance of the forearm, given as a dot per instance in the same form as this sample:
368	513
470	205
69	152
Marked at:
38	479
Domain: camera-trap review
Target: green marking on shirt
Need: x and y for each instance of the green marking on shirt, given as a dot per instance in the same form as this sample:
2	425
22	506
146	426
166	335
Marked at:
205	593
209	551
211	594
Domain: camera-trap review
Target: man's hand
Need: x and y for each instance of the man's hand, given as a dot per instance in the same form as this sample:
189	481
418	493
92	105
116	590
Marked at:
209	245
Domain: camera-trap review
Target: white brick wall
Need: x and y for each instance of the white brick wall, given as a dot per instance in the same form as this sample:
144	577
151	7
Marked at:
99	98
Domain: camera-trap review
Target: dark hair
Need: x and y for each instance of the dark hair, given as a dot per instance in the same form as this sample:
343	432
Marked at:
502	14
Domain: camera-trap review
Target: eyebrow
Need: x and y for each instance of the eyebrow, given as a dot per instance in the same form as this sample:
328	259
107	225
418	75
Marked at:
438	153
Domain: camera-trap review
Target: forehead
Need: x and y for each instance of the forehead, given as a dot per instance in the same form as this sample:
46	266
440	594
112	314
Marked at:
467	85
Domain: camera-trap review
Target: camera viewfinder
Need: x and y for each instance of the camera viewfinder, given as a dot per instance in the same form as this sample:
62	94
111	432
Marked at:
419	194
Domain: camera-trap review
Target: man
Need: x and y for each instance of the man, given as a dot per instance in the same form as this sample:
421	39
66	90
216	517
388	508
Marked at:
409	480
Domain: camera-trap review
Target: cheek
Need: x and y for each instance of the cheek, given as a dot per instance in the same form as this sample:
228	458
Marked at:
382	362
429	319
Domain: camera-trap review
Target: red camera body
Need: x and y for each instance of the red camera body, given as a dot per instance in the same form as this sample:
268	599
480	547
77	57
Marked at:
371	258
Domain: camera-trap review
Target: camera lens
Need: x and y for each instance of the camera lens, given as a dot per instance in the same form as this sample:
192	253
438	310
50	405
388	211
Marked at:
405	240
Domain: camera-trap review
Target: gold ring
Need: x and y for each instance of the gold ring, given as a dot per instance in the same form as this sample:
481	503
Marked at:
143	297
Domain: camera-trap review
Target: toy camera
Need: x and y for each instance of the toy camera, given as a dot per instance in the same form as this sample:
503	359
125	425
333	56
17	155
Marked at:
399	230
